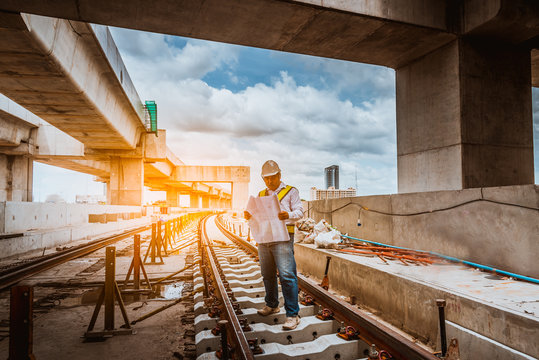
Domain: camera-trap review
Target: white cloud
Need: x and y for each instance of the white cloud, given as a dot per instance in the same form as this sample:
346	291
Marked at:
153	57
302	127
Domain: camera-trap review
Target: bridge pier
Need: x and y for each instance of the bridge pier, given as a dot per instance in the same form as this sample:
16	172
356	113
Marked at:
464	118
195	201
205	202
173	197
126	183
16	179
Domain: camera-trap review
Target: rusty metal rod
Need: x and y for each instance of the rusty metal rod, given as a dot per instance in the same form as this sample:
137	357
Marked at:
173	274
441	316
158	310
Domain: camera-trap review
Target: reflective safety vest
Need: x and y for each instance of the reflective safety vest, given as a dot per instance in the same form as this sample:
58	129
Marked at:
280	195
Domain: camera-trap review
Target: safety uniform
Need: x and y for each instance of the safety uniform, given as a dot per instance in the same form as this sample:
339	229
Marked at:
290	202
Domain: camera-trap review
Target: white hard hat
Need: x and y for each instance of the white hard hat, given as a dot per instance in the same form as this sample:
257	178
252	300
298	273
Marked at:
270	168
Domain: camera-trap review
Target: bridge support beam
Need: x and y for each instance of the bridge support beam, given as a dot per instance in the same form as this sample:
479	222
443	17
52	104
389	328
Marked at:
16	177
126	186
464	118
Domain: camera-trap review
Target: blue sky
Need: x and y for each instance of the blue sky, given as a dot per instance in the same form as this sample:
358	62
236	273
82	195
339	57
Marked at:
231	105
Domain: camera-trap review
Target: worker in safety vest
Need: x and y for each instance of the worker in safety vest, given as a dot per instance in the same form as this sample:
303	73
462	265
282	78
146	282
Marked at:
280	255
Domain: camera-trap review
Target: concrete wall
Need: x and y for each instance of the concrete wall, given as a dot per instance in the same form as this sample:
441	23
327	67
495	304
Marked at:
501	231
17	217
46	225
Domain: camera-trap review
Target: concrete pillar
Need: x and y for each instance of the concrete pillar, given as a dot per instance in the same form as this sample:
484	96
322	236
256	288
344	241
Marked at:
16	178
240	195
464	118
126	186
173	197
205	202
194	201
215	203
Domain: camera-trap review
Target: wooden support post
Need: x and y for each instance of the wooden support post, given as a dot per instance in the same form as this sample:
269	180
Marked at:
153	243
21	323
160	240
137	265
154	249
108	295
136	262
110	277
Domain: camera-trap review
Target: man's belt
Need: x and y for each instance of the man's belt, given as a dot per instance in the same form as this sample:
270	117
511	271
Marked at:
290	228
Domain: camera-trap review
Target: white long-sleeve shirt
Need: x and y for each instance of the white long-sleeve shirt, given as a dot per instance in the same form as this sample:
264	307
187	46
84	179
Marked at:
291	203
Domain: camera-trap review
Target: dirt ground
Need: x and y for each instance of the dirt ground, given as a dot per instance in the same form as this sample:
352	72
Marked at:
64	301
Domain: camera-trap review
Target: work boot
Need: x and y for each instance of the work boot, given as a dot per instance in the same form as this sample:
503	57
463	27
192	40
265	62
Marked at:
266	310
291	323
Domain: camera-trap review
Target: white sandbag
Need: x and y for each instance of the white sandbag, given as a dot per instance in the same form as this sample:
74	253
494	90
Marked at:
299	235
309	239
306	224
321	227
328	240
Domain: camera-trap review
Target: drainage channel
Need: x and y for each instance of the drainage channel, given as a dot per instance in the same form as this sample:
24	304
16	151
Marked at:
229	266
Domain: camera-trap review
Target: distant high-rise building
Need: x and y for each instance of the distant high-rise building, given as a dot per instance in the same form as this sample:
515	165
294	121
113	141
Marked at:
331	193
332	176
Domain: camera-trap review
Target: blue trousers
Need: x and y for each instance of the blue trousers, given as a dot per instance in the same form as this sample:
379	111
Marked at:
280	256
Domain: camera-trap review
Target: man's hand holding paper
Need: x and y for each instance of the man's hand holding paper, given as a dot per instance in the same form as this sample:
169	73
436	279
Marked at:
266	219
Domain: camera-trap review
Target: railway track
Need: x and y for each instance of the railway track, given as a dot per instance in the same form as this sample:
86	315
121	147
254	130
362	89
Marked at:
26	269
229	291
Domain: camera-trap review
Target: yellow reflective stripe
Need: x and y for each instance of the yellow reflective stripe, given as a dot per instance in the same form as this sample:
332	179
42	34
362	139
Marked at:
283	192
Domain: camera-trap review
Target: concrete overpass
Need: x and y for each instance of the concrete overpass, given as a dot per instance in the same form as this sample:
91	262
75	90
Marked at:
24	137
464	68
94	117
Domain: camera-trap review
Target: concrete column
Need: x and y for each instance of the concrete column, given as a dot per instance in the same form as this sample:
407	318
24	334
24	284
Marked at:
173	198
464	118
215	203
240	194
16	178
205	202
195	200
126	186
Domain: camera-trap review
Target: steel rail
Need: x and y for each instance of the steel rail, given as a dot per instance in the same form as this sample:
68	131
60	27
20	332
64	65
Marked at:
370	329
243	349
20	273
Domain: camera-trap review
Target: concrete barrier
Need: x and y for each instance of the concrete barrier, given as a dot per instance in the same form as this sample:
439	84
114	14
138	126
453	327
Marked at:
27	216
46	225
407	299
497	227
